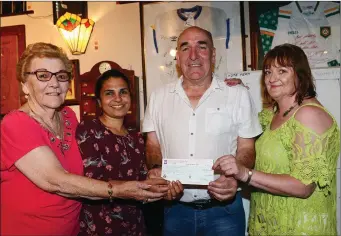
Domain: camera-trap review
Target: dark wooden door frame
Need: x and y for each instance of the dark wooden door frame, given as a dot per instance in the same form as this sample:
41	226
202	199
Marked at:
20	32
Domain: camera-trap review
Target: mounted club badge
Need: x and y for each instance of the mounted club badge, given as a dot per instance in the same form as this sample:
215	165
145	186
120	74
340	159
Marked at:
325	31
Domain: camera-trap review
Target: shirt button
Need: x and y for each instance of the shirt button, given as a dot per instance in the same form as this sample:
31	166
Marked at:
193	114
191	133
218	108
191	155
195	196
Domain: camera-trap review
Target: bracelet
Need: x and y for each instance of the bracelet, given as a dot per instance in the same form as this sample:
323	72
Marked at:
110	191
249	177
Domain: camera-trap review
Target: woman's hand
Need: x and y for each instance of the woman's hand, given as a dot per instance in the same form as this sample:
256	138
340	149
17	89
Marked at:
234	81
175	188
147	191
229	166
223	188
154	173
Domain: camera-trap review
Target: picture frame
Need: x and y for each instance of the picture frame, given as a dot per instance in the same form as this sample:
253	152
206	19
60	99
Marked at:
160	66
79	8
255	10
73	95
270	27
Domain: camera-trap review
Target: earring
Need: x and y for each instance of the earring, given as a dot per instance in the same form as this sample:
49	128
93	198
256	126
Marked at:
26	96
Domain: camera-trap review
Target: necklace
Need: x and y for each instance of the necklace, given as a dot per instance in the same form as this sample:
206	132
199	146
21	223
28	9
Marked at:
59	134
289	110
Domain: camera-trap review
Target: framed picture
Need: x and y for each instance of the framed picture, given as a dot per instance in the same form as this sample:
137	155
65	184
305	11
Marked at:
162	22
256	10
79	8
73	95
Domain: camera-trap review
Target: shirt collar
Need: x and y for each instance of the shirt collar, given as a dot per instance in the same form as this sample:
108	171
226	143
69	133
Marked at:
197	9
216	84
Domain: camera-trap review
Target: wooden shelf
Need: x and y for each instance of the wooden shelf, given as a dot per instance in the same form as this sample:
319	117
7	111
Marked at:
17	14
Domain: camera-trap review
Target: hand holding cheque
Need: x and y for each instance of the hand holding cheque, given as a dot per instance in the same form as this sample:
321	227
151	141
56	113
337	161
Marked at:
188	171
195	172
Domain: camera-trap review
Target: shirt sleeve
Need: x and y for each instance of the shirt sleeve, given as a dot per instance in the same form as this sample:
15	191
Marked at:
265	118
268	22
148	120
20	134
332	13
312	158
87	146
247	117
143	166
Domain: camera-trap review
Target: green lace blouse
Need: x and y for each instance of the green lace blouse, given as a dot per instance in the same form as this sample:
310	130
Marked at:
309	157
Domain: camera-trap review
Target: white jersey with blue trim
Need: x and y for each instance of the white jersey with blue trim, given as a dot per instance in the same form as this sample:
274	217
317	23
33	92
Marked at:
169	25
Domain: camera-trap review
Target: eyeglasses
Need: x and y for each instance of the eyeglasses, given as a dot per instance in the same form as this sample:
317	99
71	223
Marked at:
44	76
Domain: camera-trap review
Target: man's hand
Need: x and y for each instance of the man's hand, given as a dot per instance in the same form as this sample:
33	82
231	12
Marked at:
175	188
234	81
175	191
223	188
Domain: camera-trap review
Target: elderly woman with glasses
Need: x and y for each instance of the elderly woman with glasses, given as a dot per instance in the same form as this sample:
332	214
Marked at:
41	166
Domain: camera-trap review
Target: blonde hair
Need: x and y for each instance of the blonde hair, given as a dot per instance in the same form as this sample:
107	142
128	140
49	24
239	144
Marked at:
40	50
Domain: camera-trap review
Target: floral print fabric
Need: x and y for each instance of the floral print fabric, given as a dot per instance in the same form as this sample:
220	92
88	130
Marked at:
107	156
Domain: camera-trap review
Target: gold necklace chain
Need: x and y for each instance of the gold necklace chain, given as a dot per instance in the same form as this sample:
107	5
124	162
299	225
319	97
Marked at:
59	134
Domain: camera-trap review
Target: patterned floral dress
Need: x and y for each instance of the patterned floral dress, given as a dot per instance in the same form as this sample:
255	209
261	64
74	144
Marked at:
107	156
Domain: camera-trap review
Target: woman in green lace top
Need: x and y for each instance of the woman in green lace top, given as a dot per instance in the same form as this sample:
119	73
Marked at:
296	156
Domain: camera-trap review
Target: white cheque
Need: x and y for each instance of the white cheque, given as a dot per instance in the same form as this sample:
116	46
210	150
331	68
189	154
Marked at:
188	171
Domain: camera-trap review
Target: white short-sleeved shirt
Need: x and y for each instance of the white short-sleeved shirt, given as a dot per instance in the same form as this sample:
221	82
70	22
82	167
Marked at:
207	132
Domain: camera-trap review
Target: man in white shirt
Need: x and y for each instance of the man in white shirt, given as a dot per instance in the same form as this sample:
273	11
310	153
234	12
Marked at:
199	117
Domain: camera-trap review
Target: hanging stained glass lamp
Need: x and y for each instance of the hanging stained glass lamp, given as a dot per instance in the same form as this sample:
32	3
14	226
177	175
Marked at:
75	31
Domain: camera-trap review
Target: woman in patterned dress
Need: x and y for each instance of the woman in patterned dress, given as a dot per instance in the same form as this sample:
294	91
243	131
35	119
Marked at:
41	167
296	156
111	152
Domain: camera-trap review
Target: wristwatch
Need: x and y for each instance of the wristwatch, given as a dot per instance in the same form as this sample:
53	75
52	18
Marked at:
249	176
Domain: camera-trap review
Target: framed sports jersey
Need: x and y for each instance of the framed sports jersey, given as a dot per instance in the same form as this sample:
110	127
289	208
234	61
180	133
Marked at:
313	26
164	21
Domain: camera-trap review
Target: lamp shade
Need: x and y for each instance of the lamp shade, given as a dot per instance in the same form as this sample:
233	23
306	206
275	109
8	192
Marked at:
75	31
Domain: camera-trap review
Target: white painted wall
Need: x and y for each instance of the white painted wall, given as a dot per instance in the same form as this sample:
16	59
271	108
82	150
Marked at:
117	30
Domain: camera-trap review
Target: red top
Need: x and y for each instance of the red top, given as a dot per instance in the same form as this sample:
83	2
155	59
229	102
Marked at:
25	208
